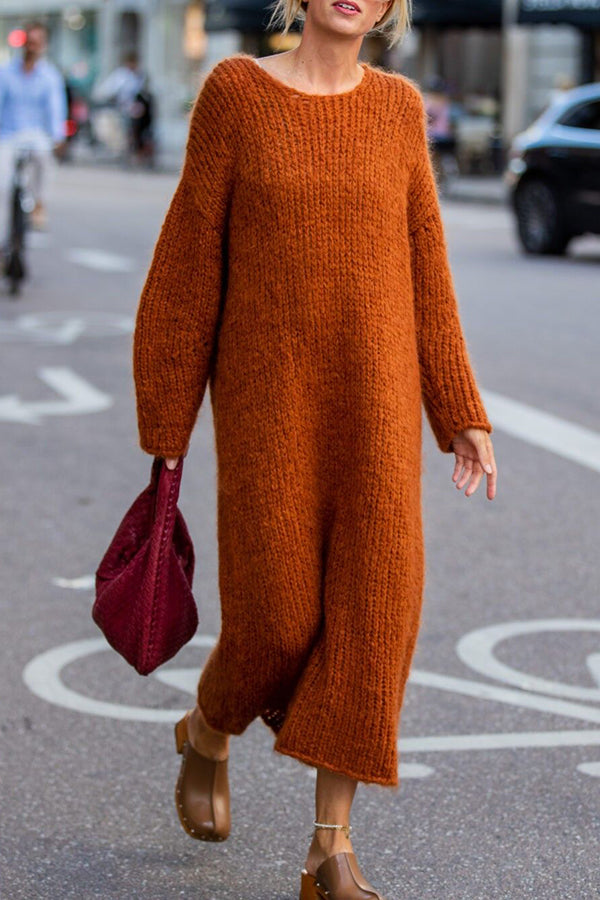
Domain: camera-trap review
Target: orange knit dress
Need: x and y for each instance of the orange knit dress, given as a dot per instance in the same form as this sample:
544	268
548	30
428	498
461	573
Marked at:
301	272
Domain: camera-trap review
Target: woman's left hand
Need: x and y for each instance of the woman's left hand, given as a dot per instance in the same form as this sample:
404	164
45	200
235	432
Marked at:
474	457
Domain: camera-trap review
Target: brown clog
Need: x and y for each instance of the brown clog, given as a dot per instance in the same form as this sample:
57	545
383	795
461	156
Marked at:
202	791
337	878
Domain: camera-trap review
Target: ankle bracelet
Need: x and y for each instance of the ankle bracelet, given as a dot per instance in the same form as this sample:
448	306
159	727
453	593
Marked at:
345	828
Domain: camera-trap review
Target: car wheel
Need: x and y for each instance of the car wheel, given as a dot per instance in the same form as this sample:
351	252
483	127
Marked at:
540	219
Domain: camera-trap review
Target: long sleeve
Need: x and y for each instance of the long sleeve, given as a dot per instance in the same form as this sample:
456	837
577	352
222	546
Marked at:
179	306
450	395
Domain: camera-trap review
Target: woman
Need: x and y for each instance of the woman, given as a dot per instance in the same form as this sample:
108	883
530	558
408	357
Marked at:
302	272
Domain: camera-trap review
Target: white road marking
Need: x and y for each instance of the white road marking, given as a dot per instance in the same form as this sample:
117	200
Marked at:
542	429
31	329
524	699
42	677
100	260
476	649
78	397
590	768
500	741
414	770
182	679
63	327
83	583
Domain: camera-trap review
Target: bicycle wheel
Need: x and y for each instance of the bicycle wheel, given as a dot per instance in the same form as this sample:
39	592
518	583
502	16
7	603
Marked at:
15	269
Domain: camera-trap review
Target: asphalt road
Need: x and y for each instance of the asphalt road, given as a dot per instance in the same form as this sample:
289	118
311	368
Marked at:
500	735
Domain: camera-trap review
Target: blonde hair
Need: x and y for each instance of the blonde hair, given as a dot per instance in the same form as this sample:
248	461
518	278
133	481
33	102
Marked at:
394	23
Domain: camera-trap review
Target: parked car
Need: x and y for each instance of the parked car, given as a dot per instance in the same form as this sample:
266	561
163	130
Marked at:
553	173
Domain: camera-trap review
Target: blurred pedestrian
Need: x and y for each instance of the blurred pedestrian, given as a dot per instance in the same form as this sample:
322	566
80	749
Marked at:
142	125
121	89
438	107
440	128
33	112
302	272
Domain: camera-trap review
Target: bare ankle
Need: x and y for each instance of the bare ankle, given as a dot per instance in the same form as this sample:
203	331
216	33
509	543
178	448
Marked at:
330	841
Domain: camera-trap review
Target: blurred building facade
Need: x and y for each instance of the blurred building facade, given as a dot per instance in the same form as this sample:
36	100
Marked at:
89	39
501	58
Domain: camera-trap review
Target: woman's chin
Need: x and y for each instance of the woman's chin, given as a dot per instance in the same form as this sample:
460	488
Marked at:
345	26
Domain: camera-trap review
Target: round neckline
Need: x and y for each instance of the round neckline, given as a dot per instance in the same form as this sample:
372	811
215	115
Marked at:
287	88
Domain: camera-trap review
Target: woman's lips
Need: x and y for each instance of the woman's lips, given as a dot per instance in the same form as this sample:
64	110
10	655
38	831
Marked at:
352	11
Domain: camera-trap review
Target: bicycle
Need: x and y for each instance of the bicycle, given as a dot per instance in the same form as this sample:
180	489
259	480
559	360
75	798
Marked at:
22	203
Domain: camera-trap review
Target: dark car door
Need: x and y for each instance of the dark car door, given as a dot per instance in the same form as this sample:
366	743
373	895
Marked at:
580	163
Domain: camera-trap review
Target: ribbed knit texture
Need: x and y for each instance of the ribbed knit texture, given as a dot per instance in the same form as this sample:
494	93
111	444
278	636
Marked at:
302	273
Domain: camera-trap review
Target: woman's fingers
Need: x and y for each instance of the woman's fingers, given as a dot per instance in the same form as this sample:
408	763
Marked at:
491	480
457	467
468	470
474	482
485	453
474	457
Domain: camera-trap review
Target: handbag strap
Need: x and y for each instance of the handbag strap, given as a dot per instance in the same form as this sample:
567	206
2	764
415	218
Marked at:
165	482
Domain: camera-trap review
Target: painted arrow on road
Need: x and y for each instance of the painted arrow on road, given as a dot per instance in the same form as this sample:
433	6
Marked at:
77	397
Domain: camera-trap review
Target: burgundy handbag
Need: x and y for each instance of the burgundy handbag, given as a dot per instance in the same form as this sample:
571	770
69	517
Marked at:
144	602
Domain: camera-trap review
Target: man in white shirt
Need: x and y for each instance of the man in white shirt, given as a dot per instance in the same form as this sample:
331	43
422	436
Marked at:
33	111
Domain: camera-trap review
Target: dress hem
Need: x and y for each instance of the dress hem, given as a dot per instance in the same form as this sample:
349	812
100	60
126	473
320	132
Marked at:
322	764
213	723
305	758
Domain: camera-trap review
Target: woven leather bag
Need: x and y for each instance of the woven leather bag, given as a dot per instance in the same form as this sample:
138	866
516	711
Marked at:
144	603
